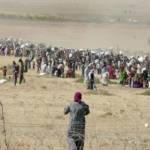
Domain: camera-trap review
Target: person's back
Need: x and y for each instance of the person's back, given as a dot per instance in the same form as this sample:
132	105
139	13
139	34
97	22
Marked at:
77	113
76	130
91	79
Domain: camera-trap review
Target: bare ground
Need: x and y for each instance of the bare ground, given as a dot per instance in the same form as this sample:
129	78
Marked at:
34	111
34	115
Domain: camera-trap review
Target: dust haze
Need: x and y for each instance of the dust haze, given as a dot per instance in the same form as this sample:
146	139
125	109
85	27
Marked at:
83	23
34	111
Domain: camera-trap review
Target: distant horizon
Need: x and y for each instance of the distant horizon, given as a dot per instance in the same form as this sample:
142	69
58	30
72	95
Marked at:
79	23
136	11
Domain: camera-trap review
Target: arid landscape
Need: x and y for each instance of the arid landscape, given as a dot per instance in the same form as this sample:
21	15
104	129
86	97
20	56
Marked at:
34	116
33	112
121	24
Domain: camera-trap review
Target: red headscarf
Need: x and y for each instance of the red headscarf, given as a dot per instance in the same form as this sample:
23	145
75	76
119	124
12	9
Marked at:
77	97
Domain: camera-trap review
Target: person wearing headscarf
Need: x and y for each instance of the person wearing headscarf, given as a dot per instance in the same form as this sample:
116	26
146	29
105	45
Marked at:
123	75
4	72
86	75
15	72
104	76
76	130
21	71
91	79
82	69
38	62
26	65
111	71
145	77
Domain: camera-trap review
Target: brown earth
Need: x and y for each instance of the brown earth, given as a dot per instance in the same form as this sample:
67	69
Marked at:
34	111
34	115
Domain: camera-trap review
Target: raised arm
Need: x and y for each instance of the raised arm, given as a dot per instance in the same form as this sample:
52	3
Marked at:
87	110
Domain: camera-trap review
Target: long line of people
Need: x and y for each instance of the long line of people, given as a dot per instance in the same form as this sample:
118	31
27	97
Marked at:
106	65
128	71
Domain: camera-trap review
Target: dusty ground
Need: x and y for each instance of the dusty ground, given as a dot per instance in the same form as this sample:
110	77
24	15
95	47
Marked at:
34	111
34	115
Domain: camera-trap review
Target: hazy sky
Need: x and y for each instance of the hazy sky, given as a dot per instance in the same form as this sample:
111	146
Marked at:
67	4
137	9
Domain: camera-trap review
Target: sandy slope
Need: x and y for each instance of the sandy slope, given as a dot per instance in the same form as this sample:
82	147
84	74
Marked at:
35	120
129	38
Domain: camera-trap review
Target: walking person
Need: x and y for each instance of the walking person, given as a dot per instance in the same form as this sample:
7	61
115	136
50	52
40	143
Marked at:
21	71
33	65
91	80
15	72
4	72
86	76
76	130
38	63
82	69
26	65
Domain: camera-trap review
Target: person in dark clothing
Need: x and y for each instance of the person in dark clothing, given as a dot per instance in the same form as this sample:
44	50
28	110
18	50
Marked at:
21	71
74	69
82	69
26	65
38	61
145	78
91	79
33	65
76	130
15	72
4	72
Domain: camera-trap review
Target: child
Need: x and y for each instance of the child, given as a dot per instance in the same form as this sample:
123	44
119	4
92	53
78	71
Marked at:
4	72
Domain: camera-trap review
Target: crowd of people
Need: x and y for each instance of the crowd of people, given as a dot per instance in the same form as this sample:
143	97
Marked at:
69	63
106	65
134	72
78	110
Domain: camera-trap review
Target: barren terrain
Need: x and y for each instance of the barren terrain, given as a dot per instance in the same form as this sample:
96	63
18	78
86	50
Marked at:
33	111
34	115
